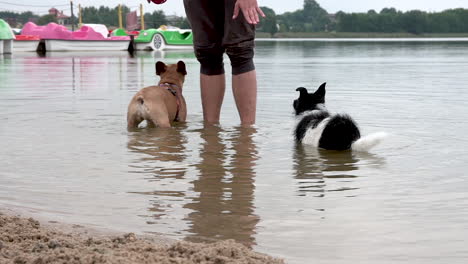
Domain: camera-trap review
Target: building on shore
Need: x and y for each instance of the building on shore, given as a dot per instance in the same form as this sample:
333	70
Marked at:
62	19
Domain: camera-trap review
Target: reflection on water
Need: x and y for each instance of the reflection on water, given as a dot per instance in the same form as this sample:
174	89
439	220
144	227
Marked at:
163	154
66	154
221	194
166	54
165	146
223	208
314	167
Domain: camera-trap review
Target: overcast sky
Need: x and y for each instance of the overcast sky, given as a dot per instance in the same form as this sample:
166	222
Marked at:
280	6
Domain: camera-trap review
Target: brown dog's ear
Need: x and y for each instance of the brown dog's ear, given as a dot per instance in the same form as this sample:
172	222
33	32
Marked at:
160	67
181	67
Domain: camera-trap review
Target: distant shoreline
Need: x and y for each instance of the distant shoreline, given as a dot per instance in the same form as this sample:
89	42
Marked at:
354	35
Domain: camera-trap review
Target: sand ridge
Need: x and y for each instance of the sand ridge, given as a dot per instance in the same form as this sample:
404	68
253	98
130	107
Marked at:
25	240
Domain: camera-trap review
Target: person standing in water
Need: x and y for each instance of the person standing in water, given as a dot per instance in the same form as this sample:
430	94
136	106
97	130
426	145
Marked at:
225	26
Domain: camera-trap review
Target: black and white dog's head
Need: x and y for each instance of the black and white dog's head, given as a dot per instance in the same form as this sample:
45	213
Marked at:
309	101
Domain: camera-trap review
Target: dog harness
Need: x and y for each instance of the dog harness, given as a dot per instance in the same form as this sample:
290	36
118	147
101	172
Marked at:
169	87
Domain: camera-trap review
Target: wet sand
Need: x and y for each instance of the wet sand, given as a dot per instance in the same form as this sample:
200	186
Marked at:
26	240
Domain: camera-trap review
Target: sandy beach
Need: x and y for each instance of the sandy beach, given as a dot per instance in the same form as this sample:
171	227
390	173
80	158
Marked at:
26	240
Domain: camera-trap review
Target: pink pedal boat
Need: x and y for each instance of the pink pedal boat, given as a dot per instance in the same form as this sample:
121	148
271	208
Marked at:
59	38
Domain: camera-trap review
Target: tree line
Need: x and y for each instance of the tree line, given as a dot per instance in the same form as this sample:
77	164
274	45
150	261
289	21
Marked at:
97	15
390	20
109	17
311	18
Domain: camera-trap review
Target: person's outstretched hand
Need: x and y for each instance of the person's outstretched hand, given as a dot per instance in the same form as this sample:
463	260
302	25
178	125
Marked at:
250	10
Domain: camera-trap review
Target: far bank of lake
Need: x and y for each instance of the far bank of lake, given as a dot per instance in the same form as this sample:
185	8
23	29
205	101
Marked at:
359	35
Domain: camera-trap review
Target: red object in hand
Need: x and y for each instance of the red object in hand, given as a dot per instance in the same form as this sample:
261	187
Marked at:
158	2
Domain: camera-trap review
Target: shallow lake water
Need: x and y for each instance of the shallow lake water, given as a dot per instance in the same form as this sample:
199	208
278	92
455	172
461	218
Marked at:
65	153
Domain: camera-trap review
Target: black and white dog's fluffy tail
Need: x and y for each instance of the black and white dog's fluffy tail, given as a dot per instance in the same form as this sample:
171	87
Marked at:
366	143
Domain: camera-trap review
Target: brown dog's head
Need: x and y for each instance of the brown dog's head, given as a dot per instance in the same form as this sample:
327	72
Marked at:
172	73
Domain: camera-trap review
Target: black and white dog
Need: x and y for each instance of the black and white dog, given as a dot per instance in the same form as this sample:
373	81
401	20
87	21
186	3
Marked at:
318	127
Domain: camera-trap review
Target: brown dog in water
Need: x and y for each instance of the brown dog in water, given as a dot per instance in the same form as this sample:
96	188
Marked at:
160	105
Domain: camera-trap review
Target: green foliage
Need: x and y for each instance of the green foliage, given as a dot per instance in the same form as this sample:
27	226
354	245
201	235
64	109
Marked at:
180	22
155	19
109	17
390	20
268	23
21	18
312	18
414	22
185	24
316	18
46	19
448	21
104	15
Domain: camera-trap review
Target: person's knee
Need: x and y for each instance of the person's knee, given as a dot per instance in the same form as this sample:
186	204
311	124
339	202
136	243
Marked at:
241	59
211	59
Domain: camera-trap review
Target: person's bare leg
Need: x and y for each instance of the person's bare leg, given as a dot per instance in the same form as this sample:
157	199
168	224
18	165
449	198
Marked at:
244	88
212	94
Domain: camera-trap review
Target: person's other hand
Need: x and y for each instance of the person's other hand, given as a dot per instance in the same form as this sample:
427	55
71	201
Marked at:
250	10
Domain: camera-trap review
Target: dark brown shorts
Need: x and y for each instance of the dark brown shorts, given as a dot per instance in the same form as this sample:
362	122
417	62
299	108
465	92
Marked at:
215	32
